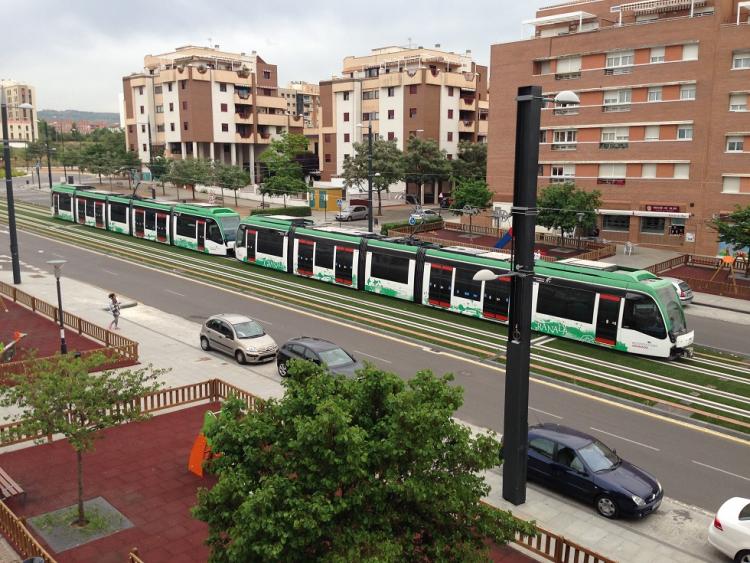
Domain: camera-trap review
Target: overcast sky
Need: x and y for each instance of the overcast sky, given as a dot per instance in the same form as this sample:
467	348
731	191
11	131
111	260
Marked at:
76	52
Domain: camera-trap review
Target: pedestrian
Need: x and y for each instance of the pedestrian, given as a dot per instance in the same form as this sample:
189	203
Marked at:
114	308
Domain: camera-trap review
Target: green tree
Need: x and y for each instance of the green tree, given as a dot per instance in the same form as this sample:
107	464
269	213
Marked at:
62	395
472	192
565	207
387	166
470	162
370	468
189	172
230	177
285	174
425	163
95	158
34	152
159	167
734	229
71	156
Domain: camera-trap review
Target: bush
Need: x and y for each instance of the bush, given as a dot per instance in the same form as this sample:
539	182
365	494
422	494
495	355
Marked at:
302	211
385	227
13	173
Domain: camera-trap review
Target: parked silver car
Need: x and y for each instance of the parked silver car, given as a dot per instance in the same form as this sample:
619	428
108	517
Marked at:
683	290
352	213
238	336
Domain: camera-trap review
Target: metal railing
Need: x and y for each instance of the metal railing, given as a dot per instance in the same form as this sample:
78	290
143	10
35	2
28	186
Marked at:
14	530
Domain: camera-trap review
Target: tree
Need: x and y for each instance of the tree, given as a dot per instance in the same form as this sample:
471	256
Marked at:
734	229
471	192
33	152
565	207
387	166
425	162
351	469
96	159
285	174
159	167
61	395
230	177
190	172
471	161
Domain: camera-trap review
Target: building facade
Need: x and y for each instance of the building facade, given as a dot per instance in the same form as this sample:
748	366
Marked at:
22	123
402	92
663	127
201	102
302	99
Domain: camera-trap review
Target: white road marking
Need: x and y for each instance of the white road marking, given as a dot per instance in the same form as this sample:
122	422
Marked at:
545	412
174	292
373	357
720	470
110	272
626	439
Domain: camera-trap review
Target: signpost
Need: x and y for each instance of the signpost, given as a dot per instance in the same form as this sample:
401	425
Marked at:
339	204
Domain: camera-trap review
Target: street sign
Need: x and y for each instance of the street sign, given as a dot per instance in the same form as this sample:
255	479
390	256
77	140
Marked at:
339	203
211	199
412	221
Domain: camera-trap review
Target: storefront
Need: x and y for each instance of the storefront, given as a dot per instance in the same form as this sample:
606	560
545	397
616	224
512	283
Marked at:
665	221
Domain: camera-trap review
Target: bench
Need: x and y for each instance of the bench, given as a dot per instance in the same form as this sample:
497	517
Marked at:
9	488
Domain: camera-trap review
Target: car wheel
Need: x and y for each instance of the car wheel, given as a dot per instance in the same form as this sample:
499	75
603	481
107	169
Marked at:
240	357
282	369
742	557
205	346
350	218
606	506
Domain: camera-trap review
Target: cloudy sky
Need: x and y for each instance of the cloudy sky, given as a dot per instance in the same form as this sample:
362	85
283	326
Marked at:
75	52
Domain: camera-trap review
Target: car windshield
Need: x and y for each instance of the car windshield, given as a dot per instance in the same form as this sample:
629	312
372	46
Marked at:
229	225
248	329
668	297
599	457
335	357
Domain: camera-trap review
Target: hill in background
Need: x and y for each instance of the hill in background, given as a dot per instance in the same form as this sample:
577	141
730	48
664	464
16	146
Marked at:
77	115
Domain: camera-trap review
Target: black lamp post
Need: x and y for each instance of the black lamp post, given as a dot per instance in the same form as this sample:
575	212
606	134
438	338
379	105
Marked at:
369	174
49	162
524	212
58	264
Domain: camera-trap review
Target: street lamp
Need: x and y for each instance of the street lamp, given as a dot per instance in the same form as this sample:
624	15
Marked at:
46	144
9	184
369	174
524	212
58	264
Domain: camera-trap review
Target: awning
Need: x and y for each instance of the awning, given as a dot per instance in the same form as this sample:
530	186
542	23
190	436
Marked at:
656	6
638	213
560	18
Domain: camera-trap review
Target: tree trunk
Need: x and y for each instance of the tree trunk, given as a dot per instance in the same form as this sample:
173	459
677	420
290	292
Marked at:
192	187
79	461
163	189
284	200
235	198
380	205
222	192
100	177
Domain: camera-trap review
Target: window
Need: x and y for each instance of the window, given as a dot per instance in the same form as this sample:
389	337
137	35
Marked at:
171	106
450	114
653	225
730	185
346	157
370	94
185	125
346	96
648	170
327	138
690	52
740	60
160	128
65	202
619	62
657	54
687	92
465	286
346	137
171	126
145	147
169	86
616	97
222	87
143	128
118	212
450	135
391	91
346	116
738	102
223	107
142	109
652	133
564	139
450	90
324	255
685	132
391	113
449	156
568	67
642	314
615	134
562	172
372	72
183	84
566	302
654	94
412	88
619	223
612	170
542	446
184	105
185	226
412	112
389	267
140	90
542	136
225	127
328	157
150	219
681	171
270	242
267	75
159	109
735	144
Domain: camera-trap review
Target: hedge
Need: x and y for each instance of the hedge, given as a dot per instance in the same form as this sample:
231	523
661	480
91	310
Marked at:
297	211
385	227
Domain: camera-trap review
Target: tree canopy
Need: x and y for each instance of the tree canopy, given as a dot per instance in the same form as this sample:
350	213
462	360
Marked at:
566	207
472	192
470	162
351	469
387	166
190	172
425	162
734	229
285	174
230	177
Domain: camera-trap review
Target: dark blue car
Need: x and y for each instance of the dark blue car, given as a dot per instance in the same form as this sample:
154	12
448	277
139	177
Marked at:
579	465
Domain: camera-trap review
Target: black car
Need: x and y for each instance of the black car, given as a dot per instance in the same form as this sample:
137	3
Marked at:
319	351
581	466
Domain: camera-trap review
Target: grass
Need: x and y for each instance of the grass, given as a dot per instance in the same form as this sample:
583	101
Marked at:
96	522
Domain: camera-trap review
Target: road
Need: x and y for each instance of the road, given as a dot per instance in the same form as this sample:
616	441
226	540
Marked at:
695	466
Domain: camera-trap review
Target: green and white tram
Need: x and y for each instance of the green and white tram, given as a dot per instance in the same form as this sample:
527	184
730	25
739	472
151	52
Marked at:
623	309
204	228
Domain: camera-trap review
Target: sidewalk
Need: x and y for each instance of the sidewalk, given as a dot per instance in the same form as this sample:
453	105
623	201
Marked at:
676	532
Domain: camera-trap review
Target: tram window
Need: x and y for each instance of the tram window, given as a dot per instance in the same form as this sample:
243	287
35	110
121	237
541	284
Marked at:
118	212
150	220
89	207
185	226
64	202
213	232
270	242
242	233
388	267
465	287
566	302
642	314
324	255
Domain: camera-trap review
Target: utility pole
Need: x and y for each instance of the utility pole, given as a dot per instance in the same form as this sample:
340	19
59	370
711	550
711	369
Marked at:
49	162
369	176
9	189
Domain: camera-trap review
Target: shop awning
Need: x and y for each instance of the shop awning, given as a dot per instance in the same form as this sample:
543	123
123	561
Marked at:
639	213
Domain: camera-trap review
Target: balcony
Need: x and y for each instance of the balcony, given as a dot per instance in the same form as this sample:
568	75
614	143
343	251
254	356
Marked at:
613	108
570	110
564	146
613	145
466	126
612	181
567	76
243	117
272	119
243	137
276	102
468	104
614	71
241	94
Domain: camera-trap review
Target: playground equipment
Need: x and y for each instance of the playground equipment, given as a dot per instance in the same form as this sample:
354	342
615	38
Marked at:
8	351
726	263
507	237
201	450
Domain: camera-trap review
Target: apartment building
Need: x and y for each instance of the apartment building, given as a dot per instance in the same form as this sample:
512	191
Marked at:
402	92
663	127
302	98
201	102
22	123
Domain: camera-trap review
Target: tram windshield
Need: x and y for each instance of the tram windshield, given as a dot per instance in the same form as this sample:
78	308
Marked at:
229	224
668	296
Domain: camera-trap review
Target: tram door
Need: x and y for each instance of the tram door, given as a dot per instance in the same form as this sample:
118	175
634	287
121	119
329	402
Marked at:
81	210
56	203
441	280
343	265
606	320
496	299
250	245
140	222
305	250
201	227
99	213
161	226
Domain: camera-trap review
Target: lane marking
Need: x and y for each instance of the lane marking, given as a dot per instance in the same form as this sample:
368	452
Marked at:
545	413
720	470
110	272
626	439
175	293
562	388
361	353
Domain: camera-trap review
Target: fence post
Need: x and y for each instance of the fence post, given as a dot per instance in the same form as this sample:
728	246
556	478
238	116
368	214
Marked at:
558	555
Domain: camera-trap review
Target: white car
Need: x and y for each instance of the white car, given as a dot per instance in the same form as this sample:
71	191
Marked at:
424	214
683	290
730	530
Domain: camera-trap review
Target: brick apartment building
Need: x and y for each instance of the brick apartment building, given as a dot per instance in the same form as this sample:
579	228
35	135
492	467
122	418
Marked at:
402	92
663	127
201	102
22	124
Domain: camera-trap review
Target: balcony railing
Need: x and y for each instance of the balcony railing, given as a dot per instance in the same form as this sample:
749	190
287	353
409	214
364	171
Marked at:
564	146
573	110
613	181
618	70
611	108
567	76
613	145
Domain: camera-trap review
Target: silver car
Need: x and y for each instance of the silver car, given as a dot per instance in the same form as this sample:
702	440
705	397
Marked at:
352	213
238	336
683	290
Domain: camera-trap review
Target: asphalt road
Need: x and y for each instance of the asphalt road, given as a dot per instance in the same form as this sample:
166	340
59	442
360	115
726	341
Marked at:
695	466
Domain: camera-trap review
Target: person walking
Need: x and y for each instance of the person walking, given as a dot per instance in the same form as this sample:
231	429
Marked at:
114	308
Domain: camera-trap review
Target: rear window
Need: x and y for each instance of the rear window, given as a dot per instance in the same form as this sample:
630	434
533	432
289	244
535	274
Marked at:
745	512
684	286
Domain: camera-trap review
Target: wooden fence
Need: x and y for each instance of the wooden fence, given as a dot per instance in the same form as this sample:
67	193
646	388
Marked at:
740	291
554	547
14	530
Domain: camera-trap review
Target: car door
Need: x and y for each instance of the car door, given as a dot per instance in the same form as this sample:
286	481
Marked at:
311	356
361	212
541	459
570	475
213	333
223	337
